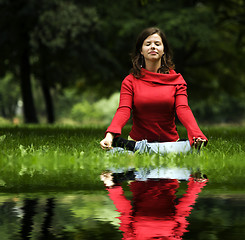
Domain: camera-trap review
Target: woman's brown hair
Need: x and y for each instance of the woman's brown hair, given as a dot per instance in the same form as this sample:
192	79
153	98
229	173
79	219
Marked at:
138	60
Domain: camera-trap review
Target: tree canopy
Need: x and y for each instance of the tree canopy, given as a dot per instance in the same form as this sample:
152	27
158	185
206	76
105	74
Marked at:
87	45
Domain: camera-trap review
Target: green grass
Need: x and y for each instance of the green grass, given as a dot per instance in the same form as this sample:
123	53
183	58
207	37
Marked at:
34	158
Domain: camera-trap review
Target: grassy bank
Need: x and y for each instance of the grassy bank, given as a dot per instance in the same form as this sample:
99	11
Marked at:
55	157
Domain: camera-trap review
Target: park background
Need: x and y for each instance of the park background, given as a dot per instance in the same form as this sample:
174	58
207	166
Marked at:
61	65
63	61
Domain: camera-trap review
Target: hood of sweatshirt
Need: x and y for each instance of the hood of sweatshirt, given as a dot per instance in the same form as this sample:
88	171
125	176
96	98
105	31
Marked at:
172	78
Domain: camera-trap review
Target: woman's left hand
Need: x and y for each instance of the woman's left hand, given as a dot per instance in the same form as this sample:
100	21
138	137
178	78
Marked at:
199	142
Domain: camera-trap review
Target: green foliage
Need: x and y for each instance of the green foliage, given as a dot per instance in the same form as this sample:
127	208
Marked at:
84	112
62	21
100	112
8	99
107	107
35	158
85	109
73	40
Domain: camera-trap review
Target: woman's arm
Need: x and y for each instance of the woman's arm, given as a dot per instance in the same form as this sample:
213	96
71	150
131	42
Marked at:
122	114
185	115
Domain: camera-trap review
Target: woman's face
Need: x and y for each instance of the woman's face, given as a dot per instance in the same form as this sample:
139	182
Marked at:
152	48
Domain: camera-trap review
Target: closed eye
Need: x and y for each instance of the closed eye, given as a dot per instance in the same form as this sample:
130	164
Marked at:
156	43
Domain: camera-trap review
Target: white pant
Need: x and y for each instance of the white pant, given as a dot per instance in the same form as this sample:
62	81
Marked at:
162	147
157	147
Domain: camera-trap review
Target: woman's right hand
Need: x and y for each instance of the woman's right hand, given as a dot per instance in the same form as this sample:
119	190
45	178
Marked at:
199	142
106	143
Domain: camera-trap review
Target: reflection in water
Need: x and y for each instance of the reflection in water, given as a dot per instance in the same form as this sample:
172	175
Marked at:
77	215
147	208
28	213
47	224
27	220
155	212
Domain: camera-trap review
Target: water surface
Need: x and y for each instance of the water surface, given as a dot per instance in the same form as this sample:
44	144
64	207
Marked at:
145	204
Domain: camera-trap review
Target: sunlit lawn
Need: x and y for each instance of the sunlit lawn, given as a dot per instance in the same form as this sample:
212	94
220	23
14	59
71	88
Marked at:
69	158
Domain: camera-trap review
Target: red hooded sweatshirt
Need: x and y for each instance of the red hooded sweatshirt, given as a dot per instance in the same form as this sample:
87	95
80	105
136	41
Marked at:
153	100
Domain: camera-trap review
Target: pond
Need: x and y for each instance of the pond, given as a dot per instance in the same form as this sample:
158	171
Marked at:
161	203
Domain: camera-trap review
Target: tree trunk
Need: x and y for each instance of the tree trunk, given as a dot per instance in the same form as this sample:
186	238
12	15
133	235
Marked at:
30	115
45	84
48	102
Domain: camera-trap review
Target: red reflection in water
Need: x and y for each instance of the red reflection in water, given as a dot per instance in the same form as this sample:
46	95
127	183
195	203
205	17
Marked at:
154	213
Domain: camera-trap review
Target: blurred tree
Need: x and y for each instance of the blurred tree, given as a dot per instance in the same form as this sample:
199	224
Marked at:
44	39
17	19
86	45
60	28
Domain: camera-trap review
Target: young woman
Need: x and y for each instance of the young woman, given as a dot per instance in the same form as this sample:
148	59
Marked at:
153	92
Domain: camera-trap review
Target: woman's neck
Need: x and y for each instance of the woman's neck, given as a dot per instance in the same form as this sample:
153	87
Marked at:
152	66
